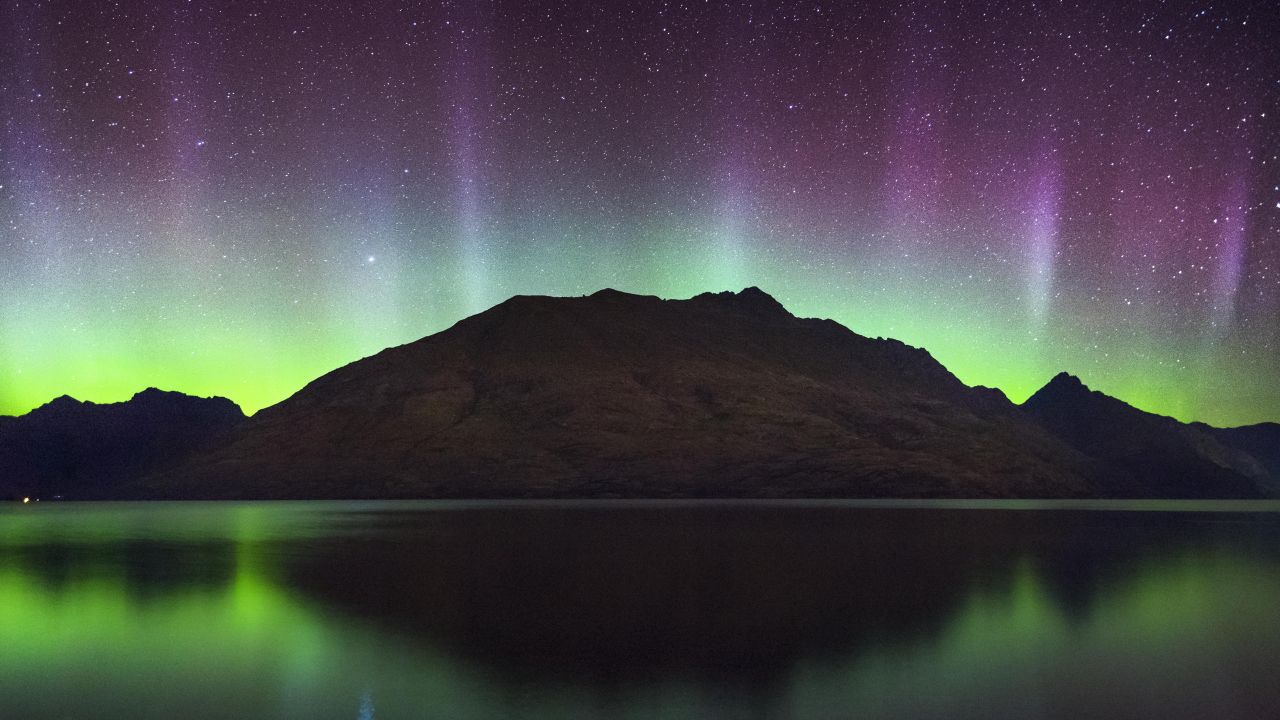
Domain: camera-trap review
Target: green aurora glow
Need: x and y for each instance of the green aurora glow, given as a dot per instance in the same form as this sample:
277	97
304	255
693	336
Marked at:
235	201
255	342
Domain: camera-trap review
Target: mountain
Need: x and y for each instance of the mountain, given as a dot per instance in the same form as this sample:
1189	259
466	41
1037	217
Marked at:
85	450
1157	455
1262	441
619	395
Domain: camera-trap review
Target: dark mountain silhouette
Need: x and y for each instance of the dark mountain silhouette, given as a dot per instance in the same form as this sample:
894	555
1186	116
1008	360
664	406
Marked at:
1158	456
619	395
1262	441
721	395
85	450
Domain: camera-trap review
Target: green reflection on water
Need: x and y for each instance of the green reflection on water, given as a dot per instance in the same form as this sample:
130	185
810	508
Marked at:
1187	637
1191	632
90	635
90	646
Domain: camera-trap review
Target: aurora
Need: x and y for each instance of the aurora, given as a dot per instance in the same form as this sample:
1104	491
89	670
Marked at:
235	200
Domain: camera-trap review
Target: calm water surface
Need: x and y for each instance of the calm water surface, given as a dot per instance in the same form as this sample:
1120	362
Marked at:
640	610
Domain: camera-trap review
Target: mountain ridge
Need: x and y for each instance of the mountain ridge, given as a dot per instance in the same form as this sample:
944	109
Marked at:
710	295
1155	450
68	447
720	395
613	394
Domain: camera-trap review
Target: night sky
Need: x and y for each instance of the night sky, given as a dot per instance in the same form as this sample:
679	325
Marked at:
233	198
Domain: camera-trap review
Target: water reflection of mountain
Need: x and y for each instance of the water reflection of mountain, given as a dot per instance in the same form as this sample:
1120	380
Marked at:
726	589
707	611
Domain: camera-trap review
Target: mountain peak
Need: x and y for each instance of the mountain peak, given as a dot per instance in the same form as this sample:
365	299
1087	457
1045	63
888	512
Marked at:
1065	388
611	293
63	400
1151	455
62	403
751	298
756	295
1066	381
155	395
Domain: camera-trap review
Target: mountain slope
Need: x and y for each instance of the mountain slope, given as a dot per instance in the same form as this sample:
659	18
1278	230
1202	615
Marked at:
85	450
1157	456
1262	441
622	395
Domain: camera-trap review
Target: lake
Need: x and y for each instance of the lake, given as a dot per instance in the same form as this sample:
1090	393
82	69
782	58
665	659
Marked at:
640	610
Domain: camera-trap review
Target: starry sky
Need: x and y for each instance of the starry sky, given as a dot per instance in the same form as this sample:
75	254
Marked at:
233	197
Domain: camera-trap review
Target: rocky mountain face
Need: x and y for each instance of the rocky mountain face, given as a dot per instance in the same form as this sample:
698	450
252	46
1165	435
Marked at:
84	450
618	395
